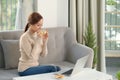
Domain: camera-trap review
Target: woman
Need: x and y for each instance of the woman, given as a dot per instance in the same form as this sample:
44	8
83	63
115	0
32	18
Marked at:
33	43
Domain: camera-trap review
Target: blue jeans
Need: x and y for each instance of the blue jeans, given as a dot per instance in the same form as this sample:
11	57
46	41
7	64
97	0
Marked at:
39	70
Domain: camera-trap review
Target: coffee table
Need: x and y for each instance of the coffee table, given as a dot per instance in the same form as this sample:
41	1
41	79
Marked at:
85	74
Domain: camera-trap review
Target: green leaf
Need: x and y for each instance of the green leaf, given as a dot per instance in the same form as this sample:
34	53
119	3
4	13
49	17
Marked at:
90	41
118	75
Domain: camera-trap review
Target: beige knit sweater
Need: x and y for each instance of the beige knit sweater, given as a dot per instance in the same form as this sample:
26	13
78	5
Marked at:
31	48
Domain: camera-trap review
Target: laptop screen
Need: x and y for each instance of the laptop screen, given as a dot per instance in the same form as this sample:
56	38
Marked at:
78	66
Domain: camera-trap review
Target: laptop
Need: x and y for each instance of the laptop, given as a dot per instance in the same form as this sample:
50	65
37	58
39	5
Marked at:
77	68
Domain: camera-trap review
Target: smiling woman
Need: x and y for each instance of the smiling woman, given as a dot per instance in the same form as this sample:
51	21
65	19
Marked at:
8	9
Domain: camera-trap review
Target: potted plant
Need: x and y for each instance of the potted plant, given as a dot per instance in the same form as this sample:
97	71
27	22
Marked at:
110	5
90	41
118	75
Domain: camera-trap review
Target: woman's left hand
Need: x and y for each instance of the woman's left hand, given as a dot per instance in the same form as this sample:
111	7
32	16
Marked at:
45	34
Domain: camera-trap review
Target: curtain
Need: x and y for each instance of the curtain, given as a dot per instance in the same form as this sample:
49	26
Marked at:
77	18
24	8
80	13
100	36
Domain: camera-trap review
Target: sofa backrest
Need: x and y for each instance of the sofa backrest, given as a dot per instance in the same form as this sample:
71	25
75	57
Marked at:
58	37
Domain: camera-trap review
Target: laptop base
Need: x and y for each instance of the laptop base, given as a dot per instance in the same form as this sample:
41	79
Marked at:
69	72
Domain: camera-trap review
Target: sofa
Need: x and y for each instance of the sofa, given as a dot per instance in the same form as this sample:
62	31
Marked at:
63	50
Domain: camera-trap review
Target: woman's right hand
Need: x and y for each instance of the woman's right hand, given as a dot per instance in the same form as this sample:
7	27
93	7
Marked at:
43	34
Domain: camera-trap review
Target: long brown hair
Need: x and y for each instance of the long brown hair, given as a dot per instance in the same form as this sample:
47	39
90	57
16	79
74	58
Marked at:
33	19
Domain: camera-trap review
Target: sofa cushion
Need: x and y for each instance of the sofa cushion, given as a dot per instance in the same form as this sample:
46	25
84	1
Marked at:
8	35
8	74
11	53
12	73
2	62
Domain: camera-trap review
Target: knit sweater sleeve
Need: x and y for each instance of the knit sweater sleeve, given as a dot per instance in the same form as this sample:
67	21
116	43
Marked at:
44	49
26	47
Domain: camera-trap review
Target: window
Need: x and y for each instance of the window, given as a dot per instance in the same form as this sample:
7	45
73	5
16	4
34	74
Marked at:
8	9
112	27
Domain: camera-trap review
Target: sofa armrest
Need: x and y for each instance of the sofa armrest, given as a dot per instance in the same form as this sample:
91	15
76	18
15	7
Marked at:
77	51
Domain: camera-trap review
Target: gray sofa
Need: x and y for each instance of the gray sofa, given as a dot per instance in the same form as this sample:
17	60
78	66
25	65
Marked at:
63	50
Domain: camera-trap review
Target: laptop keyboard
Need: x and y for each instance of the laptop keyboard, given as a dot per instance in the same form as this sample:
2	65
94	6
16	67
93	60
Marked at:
68	72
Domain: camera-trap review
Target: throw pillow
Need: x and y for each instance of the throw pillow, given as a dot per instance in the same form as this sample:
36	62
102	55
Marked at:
11	53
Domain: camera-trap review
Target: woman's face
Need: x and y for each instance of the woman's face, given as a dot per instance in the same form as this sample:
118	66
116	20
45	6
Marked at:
37	26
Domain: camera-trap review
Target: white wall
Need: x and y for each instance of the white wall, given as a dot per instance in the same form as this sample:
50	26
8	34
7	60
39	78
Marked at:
54	12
